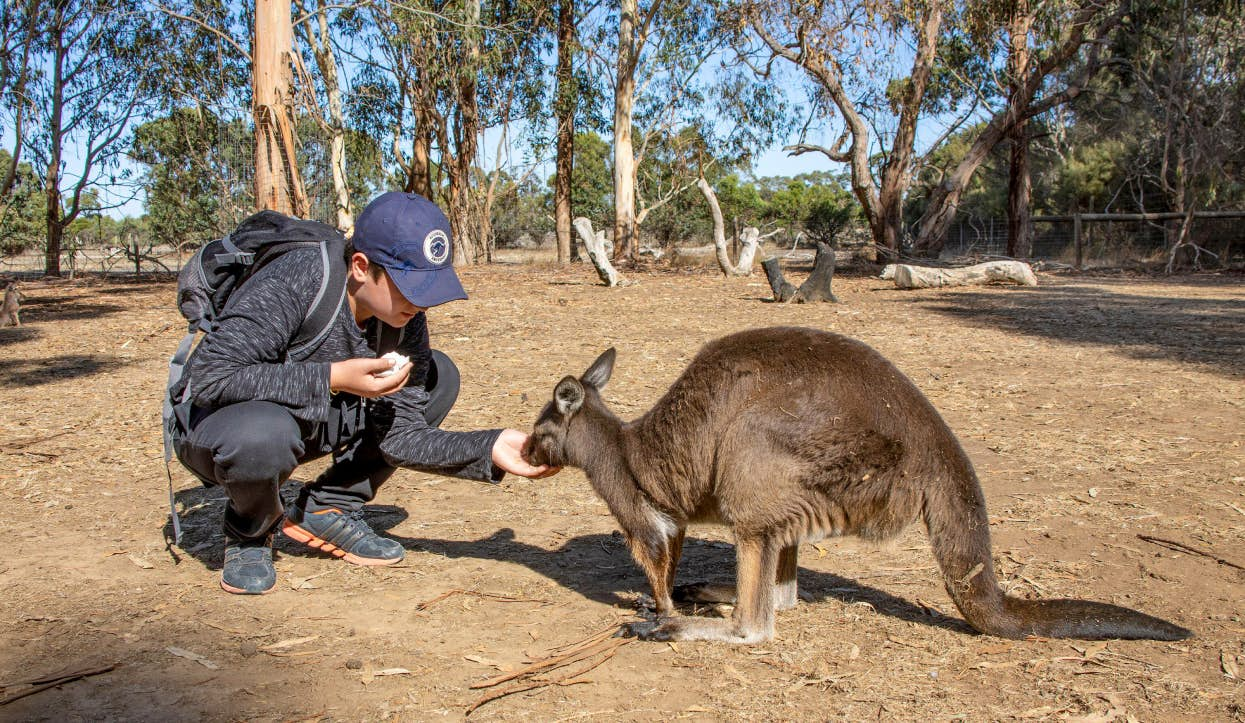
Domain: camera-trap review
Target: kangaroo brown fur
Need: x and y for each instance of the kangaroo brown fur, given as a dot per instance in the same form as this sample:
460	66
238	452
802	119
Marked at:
11	306
789	435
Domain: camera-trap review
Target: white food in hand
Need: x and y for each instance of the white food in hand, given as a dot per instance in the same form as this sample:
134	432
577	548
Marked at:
397	360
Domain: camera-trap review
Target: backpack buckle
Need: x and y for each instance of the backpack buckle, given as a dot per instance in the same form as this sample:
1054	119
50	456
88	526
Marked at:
246	258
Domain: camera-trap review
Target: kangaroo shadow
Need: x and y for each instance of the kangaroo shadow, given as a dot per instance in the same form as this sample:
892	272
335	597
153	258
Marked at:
33	372
600	568
48	309
18	334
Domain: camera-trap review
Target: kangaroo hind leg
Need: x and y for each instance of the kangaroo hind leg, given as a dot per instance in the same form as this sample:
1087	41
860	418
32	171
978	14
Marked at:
785	589
753	619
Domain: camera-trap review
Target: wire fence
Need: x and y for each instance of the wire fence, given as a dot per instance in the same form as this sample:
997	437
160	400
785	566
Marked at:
1107	240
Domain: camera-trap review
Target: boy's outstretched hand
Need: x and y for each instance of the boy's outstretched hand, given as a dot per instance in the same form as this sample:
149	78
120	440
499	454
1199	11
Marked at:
358	376
507	454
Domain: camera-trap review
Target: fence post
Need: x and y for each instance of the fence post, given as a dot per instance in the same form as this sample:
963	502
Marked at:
1076	241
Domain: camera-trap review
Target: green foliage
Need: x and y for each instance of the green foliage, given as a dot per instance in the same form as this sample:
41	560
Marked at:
1090	177
196	177
830	214
23	212
592	180
521	206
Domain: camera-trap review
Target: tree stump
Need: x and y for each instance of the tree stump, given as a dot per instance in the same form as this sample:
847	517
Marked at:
783	291
815	288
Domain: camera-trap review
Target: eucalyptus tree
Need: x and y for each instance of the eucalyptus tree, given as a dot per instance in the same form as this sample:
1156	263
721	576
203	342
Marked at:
1186	71
954	65
195	175
436	75
96	80
18	25
197	145
564	110
1063	49
666	67
847	49
22	212
323	93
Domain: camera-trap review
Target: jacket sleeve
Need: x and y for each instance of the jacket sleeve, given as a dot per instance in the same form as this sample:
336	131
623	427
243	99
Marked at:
405	437
243	359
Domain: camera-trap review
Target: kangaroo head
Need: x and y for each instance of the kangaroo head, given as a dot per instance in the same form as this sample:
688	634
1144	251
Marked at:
548	442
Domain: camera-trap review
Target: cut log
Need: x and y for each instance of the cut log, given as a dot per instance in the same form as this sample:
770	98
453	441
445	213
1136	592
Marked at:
992	272
815	288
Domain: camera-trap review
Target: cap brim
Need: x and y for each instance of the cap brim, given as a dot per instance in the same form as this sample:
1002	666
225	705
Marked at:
427	288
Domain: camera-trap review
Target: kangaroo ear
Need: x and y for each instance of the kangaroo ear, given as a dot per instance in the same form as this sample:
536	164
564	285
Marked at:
599	373
568	395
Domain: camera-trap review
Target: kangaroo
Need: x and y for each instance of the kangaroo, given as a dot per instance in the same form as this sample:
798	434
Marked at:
11	306
790	435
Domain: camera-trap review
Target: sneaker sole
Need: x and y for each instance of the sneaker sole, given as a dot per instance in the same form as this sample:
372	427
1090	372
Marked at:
240	591
298	534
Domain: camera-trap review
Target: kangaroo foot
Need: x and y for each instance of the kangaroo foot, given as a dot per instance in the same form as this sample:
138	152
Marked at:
688	628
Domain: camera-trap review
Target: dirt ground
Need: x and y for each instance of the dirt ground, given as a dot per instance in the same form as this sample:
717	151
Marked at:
1097	410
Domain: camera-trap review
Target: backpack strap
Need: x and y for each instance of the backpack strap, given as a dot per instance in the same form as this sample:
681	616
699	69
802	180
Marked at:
329	297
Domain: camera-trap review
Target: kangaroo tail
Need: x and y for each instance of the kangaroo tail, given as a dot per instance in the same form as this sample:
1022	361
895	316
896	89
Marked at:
960	535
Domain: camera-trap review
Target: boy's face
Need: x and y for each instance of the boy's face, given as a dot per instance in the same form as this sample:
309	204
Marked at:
376	295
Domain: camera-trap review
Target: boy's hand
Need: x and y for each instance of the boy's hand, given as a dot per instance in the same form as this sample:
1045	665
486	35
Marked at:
507	454
358	376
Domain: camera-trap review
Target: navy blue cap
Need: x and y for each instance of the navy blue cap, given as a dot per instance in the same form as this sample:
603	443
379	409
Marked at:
410	236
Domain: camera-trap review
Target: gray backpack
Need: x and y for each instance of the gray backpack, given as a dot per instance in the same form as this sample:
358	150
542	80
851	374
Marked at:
216	271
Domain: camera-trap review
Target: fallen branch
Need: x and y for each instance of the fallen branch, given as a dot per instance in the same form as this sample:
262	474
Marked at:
1182	547
568	680
41	684
486	595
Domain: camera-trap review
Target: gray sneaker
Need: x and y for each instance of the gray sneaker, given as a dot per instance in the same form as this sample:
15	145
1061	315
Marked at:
344	535
248	567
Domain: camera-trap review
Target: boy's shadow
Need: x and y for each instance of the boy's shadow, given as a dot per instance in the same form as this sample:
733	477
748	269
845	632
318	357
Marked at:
203	539
597	566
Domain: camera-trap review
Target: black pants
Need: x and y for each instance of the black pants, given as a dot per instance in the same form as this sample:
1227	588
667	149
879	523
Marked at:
251	448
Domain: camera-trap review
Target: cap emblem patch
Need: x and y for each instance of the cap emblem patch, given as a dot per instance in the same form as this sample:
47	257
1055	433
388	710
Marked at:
436	246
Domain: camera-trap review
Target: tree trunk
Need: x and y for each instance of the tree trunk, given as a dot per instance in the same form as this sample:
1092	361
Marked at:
419	175
746	255
624	154
1019	195
783	290
944	198
897	171
51	186
277	183
326	60
470	229
1019	183
566	128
